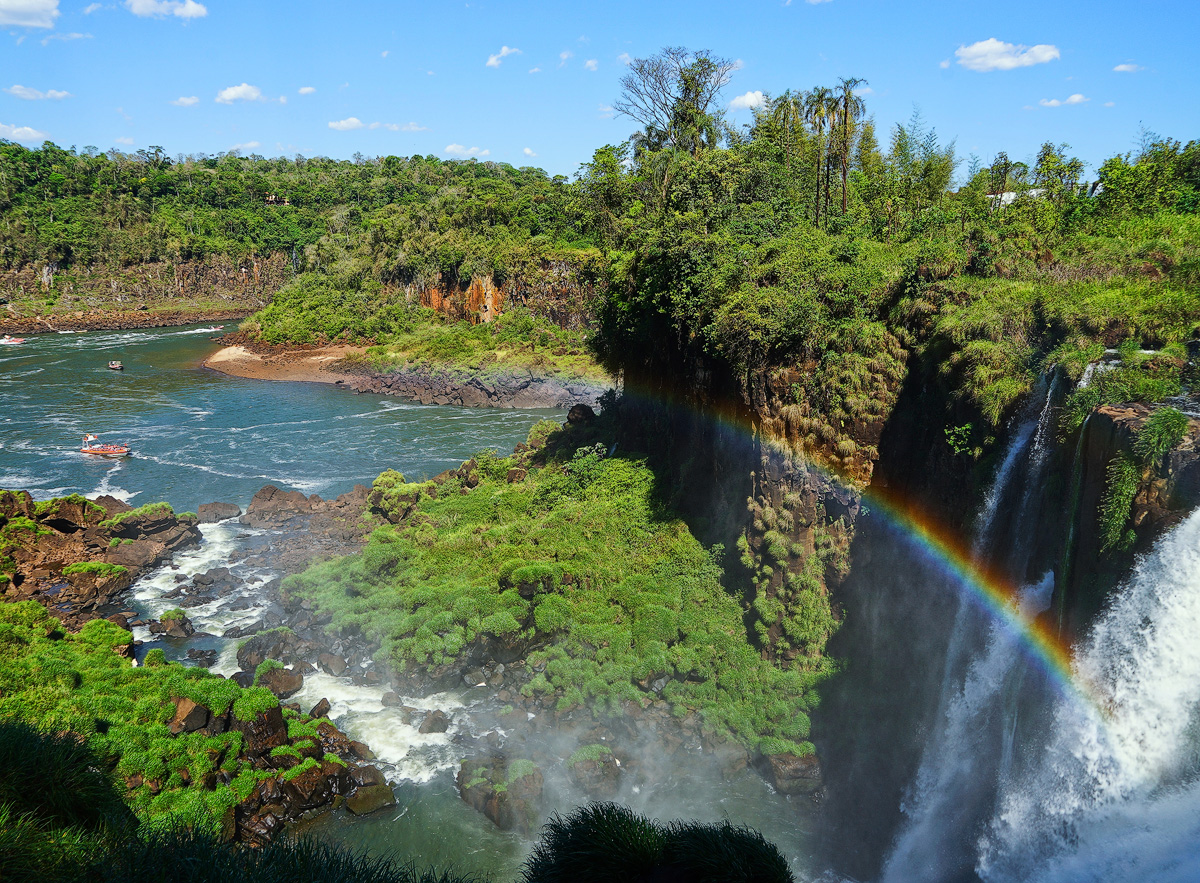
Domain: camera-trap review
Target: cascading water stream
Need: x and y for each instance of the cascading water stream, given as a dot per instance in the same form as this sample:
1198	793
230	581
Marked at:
1114	794
973	739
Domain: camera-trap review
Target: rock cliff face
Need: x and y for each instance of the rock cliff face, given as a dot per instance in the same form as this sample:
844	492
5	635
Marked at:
1168	490
512	390
75	556
556	290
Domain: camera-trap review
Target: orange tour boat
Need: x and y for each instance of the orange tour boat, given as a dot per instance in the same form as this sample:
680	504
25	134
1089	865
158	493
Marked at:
90	447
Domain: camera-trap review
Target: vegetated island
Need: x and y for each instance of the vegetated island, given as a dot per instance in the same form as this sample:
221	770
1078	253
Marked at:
841	305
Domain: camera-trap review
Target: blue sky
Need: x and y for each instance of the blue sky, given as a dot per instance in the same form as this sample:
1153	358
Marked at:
532	83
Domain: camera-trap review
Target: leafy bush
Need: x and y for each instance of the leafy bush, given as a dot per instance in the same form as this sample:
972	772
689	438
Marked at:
605	841
1161	432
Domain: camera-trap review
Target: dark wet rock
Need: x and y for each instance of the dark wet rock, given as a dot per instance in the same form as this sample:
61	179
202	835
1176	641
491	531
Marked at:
189	717
211	513
263	732
281	681
243	679
437	721
332	664
391	699
580	414
321	709
174	627
598	773
203	658
369	798
508	792
791	773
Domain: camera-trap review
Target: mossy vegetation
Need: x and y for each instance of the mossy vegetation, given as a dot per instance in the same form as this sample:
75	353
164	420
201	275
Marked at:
151	509
581	570
100	569
76	682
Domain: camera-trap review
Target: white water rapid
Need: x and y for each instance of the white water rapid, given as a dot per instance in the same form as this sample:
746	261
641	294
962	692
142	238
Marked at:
1114	794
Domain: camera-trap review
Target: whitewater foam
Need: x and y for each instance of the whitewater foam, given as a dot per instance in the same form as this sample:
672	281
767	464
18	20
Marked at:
1118	776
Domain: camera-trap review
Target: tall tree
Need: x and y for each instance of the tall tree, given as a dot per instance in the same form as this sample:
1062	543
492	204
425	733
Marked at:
674	95
817	105
852	107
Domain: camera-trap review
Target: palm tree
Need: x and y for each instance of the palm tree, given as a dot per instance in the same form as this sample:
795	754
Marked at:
852	107
817	104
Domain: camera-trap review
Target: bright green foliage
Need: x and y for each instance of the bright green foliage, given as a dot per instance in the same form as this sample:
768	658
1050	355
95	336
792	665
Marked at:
1161	432
149	509
1135	380
593	753
101	569
1120	489
48	508
621	593
77	683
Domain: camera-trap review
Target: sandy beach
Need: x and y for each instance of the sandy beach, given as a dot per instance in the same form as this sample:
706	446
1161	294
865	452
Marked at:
306	365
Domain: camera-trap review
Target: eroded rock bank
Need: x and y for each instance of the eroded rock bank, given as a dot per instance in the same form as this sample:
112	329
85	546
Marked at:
75	556
515	389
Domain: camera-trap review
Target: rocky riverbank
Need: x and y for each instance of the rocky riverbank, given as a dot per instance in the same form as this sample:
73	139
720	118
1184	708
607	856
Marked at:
340	364
116	320
75	556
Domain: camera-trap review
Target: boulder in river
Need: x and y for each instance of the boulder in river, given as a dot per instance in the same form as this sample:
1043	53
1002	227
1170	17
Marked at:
282	682
211	513
369	798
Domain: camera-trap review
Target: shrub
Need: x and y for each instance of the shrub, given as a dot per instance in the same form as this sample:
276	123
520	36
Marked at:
1161	432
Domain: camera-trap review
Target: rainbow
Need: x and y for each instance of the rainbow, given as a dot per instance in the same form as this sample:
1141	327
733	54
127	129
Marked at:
986	588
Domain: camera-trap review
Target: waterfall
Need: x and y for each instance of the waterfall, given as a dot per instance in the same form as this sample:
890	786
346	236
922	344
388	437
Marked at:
956	780
1114	794
971	742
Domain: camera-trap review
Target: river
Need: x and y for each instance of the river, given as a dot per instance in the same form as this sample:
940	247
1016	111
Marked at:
199	436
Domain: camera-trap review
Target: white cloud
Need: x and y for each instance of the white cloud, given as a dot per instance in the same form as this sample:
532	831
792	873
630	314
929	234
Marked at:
591	64
535	70
283	99
186	101
505	51
23	134
1110	104
565	56
413	127
35	95
158	8
306	90
815	2
944	63
606	112
92	7
1062	102
625	58
1128	68
864	91
749	100
384	53
28	14
249	145
244	92
346	125
528	152
126	141
993	55
64	37
459	150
